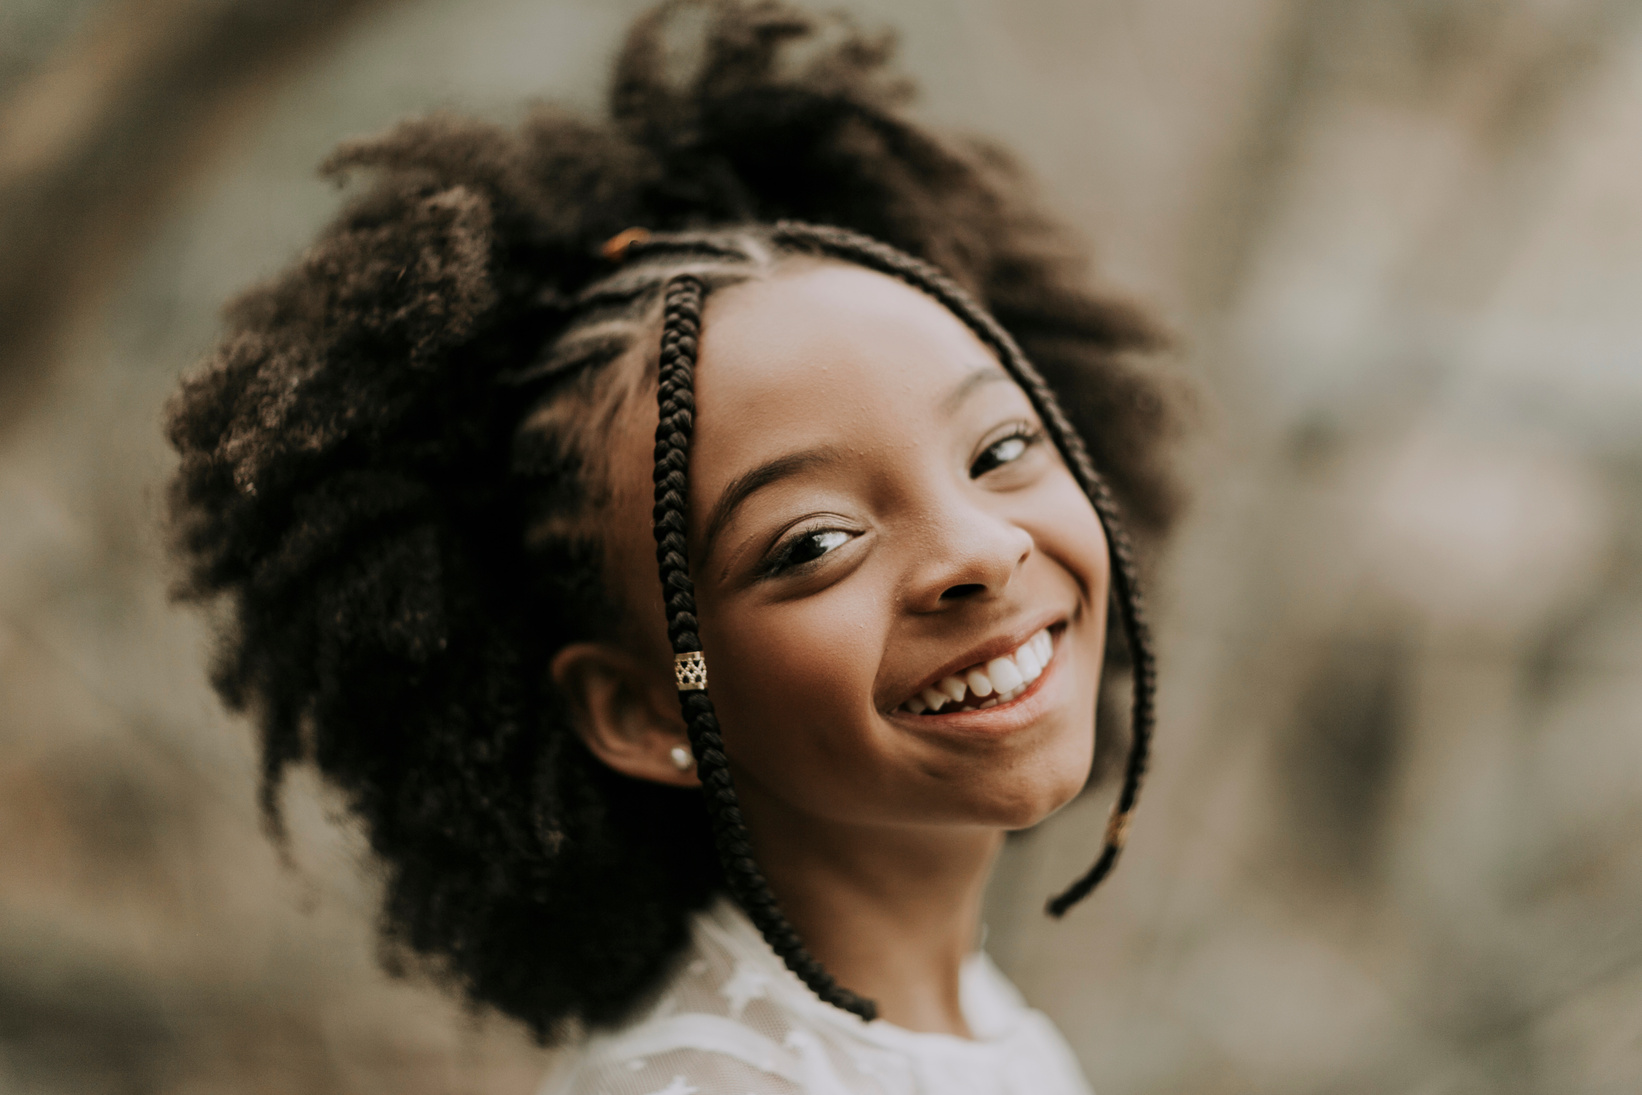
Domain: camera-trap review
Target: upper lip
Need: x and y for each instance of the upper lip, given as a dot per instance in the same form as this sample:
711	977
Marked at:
996	647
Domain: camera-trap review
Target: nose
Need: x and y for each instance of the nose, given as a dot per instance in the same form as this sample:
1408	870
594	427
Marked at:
969	554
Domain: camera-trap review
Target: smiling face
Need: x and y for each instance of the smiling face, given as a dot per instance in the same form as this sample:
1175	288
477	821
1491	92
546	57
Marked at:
901	588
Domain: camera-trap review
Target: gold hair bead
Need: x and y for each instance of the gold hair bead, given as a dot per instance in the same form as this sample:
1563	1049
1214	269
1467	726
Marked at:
1117	828
615	248
691	671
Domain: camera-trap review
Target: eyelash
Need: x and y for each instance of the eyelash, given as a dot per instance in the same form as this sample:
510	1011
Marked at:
780	563
1026	432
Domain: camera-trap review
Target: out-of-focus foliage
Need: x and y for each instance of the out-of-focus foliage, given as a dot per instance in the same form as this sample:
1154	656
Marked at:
1390	842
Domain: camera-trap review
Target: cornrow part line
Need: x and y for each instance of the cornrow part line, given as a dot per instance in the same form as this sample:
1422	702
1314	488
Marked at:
864	251
681	326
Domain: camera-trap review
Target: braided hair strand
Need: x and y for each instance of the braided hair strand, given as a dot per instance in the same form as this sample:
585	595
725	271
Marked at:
676	399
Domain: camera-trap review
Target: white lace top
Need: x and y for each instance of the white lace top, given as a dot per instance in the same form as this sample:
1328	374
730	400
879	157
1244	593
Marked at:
734	1021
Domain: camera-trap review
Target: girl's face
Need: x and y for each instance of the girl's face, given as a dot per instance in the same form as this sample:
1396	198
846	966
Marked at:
878	524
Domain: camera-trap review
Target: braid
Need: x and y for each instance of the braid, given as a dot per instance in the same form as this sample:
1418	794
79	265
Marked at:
865	251
680	326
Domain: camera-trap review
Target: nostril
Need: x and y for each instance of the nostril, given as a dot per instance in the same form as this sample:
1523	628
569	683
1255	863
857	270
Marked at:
958	593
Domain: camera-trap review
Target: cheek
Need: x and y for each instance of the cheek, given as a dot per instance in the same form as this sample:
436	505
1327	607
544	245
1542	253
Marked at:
1069	532
796	693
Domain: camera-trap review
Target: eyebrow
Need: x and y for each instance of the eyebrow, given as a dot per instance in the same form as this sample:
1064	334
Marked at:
975	378
750	482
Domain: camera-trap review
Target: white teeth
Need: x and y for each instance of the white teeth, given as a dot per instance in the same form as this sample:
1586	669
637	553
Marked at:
979	683
1004	675
1001	679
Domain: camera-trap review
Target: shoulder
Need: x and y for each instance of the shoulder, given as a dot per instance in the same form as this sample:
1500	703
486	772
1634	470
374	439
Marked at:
679	1058
732	1020
687	1043
715	1026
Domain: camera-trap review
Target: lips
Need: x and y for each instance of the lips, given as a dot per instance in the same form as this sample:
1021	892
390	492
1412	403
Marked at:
986	684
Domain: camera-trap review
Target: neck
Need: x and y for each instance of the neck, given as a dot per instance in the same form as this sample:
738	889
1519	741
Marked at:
890	911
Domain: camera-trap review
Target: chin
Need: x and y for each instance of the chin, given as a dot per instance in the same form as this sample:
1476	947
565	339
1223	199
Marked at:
1022	807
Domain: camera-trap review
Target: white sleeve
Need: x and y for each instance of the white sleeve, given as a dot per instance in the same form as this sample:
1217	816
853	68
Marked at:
669	1072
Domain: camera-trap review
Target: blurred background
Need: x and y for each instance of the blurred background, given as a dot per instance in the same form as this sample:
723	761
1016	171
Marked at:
1392	839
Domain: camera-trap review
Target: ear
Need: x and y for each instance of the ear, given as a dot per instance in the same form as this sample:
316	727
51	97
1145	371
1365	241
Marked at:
628	720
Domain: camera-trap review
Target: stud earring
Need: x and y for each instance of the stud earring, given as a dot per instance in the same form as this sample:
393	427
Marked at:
682	758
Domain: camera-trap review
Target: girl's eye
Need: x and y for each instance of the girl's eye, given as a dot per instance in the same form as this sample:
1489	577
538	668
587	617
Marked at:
808	547
1005	450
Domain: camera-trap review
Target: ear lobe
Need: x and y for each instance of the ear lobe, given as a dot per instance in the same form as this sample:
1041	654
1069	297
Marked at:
621	713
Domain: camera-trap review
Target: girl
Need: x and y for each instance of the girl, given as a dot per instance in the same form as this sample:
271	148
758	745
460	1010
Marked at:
724	828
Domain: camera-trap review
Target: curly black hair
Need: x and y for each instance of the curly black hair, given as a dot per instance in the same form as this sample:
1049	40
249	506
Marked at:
391	467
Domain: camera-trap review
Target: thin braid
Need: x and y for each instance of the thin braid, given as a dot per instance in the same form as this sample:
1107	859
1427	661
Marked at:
865	251
681	324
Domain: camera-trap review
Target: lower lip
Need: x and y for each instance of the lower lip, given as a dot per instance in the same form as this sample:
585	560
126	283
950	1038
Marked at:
1019	713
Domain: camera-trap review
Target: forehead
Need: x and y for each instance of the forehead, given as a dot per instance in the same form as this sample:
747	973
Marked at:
821	347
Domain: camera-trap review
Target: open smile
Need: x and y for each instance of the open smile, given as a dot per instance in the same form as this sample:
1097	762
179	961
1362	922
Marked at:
990	683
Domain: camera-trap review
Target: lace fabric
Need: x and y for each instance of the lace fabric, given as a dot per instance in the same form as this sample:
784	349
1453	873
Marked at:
732	1020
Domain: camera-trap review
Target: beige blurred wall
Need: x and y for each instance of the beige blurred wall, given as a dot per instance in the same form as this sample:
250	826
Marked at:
1391	839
